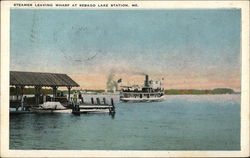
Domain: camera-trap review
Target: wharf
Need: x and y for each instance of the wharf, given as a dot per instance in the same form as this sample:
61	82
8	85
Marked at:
87	108
58	103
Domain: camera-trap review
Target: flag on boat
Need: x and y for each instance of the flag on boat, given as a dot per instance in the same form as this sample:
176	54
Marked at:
119	81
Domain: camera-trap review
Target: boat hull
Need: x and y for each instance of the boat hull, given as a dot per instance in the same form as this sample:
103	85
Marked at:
40	110
142	99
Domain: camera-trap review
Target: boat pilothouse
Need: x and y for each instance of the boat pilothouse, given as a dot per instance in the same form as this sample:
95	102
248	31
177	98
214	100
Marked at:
150	91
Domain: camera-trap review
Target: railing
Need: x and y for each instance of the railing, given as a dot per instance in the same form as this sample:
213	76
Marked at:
131	92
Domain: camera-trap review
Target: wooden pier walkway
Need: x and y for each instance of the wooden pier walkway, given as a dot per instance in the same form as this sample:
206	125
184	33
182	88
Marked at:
87	108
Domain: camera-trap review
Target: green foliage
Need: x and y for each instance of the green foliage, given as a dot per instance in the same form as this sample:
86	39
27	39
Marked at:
197	91
223	91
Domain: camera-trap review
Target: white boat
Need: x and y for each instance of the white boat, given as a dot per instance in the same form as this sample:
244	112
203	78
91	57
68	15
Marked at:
51	107
149	92
152	99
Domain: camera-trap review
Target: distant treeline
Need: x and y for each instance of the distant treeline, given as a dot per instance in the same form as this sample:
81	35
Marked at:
196	91
184	91
167	92
29	91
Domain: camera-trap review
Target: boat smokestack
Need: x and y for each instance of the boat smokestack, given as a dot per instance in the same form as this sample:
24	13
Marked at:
146	81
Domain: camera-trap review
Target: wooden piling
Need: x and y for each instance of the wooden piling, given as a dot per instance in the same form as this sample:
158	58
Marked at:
37	94
17	92
104	100
22	88
112	109
92	100
98	101
112	102
54	93
76	109
69	88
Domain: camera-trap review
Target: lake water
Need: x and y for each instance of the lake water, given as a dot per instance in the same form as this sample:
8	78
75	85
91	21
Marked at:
180	122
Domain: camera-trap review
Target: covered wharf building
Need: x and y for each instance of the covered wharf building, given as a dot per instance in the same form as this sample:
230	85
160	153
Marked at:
20	80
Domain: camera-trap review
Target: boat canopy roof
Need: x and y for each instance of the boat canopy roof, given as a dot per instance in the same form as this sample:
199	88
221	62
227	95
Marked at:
21	78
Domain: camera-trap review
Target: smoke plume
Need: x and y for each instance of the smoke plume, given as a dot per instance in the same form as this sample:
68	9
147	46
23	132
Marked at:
111	84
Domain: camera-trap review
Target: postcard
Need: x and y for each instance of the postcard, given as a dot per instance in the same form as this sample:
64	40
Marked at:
124	79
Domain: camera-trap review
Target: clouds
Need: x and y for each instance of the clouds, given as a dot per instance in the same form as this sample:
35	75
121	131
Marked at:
203	44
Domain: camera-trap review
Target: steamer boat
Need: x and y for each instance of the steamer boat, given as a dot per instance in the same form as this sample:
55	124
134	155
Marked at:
149	92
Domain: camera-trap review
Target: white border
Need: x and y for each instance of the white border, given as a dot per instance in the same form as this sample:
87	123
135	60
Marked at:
5	38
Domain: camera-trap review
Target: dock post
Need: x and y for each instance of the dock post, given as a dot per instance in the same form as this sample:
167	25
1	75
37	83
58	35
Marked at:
112	109
104	100
22	87
92	100
112	102
17	107
54	93
69	88
98	101
37	95
77	107
17	92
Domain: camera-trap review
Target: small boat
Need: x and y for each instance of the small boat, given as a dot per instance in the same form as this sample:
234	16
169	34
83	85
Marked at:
51	107
151	91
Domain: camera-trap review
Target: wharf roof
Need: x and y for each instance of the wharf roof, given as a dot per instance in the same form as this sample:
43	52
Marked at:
21	78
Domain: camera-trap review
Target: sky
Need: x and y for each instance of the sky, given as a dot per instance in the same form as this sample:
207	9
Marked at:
190	49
